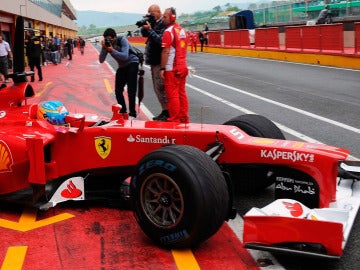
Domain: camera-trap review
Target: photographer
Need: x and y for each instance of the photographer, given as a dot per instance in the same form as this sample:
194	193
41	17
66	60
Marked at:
127	71
153	28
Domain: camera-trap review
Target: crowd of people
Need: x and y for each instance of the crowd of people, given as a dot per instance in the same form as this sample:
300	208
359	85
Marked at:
54	49
196	36
40	51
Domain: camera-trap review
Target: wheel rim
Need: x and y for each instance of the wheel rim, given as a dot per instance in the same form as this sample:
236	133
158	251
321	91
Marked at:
162	201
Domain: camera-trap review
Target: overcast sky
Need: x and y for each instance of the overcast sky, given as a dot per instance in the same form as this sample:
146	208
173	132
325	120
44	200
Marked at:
141	6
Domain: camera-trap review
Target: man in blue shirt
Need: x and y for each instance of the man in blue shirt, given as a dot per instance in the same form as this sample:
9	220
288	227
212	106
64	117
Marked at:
126	74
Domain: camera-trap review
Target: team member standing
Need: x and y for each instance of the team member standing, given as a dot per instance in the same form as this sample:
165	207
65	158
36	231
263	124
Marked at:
5	55
205	33
174	68
154	31
33	52
119	49
201	38
193	41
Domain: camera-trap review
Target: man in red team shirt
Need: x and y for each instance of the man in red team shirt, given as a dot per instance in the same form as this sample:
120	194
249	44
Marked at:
174	68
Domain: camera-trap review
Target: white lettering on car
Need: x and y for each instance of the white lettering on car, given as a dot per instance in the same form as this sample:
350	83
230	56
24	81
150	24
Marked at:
237	133
294	156
151	140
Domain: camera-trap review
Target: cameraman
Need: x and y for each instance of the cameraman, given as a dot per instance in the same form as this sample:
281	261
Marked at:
153	30
118	48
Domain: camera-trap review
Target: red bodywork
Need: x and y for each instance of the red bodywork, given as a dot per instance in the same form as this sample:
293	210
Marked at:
33	151
73	149
273	230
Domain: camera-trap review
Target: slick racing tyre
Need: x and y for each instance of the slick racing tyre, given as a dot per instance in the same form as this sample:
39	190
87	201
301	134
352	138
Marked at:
180	196
250	178
257	126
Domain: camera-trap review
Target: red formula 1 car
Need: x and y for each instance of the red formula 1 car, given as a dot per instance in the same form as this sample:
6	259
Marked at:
182	175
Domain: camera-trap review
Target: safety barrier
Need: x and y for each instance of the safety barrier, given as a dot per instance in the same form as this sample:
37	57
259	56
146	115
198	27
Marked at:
293	41
357	38
317	38
214	39
332	37
327	38
310	38
231	38
236	38
267	38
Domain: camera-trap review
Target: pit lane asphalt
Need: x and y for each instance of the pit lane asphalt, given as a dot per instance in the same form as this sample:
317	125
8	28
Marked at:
319	103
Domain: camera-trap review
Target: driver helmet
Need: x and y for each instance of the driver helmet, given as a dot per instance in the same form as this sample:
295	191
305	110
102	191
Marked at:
53	111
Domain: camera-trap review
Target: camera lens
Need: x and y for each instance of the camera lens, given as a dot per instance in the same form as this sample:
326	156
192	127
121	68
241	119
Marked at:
141	22
107	42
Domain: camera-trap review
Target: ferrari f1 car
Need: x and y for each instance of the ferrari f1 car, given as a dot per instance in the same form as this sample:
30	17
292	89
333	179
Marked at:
183	176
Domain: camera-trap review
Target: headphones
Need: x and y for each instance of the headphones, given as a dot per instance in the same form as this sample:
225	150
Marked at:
173	14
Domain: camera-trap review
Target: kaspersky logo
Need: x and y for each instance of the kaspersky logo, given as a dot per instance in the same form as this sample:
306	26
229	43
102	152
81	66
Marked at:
152	140
6	160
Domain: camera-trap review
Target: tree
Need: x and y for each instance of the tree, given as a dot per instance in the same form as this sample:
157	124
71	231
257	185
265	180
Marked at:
217	9
232	9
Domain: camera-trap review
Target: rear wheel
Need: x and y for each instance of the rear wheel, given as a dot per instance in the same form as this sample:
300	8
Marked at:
250	178
180	196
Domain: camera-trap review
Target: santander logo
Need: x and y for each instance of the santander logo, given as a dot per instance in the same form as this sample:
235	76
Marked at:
71	191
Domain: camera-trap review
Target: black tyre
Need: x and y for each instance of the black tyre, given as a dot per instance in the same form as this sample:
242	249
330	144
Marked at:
257	126
250	178
180	196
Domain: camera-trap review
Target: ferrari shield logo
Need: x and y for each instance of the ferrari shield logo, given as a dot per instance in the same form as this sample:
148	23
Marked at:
103	146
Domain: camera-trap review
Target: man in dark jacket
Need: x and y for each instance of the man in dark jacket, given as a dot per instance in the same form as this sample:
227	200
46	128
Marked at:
33	51
324	16
153	30
69	47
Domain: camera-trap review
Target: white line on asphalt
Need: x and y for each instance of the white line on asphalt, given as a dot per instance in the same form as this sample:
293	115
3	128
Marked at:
286	62
318	117
246	111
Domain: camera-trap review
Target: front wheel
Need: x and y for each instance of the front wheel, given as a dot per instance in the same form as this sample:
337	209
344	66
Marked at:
250	178
180	196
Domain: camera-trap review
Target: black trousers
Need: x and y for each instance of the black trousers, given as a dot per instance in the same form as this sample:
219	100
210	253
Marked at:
35	62
127	76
